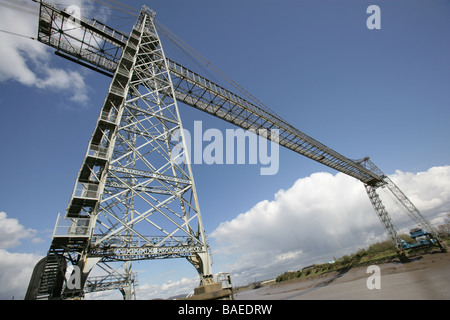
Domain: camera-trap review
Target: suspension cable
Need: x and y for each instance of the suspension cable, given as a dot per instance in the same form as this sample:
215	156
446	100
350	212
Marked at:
17	34
205	62
24	9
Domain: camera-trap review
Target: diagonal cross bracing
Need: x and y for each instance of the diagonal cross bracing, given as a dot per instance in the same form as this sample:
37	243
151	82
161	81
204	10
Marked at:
129	187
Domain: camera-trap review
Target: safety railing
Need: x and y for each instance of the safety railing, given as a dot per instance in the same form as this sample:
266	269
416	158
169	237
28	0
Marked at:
72	227
86	190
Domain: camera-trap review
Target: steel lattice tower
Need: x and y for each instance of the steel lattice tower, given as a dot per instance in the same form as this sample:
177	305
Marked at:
144	188
132	199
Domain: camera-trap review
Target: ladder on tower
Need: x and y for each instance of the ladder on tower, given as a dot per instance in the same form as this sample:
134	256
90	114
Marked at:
48	277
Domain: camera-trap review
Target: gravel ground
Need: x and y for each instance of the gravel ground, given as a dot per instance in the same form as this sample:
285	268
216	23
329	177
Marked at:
426	278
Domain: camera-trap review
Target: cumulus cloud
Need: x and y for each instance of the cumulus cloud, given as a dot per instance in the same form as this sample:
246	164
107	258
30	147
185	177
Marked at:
15	268
11	232
429	191
170	288
15	273
149	291
318	218
29	62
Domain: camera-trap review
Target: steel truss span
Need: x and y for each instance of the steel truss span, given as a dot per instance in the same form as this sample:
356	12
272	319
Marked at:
131	200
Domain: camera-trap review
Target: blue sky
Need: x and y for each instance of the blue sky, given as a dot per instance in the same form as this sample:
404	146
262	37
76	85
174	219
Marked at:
379	93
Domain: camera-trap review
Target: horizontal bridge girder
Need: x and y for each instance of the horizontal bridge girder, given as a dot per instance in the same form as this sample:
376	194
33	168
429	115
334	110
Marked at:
200	93
145	252
147	174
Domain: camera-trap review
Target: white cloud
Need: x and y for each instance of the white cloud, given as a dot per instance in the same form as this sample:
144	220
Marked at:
15	268
29	62
429	191
151	291
15	273
318	218
171	288
104	295
11	231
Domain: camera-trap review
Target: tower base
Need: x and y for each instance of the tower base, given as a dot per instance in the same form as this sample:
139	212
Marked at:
212	291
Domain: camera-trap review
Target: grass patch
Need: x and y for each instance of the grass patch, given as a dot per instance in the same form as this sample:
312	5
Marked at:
380	252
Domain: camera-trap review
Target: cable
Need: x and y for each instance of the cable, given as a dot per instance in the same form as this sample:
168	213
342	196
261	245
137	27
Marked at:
20	9
134	14
185	54
17	34
24	4
196	55
402	211
125	5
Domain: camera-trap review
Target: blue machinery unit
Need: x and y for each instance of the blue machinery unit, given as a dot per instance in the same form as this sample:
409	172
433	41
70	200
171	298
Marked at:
422	240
